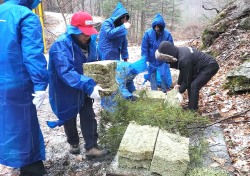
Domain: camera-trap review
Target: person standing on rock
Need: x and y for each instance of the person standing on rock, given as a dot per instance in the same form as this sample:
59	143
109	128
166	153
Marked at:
158	72
196	69
23	81
70	91
113	43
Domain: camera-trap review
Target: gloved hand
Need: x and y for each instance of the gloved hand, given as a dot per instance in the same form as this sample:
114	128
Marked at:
95	94
39	97
177	86
179	97
127	25
132	98
125	60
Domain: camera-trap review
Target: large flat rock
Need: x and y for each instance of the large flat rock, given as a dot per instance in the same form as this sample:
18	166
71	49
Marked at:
137	146
171	157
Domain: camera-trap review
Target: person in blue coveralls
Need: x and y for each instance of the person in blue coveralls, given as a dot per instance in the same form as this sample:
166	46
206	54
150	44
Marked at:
23	81
113	43
159	74
125	75
70	91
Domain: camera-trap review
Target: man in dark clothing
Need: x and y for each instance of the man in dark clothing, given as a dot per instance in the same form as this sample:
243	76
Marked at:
196	69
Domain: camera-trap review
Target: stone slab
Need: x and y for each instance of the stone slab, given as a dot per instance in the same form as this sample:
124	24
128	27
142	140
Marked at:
171	157
137	143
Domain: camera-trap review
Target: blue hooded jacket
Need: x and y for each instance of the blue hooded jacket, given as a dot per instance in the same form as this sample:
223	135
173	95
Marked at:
113	43
125	74
67	84
150	44
22	72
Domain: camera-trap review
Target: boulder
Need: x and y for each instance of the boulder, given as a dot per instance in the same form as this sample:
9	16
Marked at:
239	78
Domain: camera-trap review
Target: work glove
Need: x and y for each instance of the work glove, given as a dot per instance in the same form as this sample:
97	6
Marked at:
95	94
125	60
177	86
179	97
132	98
127	25
39	97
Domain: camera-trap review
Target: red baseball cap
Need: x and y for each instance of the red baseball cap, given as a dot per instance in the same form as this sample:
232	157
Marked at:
83	21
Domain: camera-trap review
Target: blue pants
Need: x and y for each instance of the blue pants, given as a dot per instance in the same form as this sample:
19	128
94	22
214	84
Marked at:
154	84
88	126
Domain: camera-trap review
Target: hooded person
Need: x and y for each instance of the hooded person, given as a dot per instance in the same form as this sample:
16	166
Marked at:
196	69
113	43
23	81
158	72
125	75
70	91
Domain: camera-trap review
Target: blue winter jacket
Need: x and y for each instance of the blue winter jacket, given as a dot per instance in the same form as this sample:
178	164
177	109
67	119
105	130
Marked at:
125	74
22	72
150	44
113	43
67	84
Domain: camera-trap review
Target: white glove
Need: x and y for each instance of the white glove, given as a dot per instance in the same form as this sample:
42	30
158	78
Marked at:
95	94
127	25
177	86
39	97
179	97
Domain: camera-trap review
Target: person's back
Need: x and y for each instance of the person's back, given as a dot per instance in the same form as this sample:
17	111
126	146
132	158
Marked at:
113	43
196	69
150	43
23	74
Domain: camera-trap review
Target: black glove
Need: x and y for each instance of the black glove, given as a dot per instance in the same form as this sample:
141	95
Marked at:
132	98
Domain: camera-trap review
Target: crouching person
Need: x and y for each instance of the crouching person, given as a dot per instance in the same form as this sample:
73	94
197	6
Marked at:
196	69
125	75
71	92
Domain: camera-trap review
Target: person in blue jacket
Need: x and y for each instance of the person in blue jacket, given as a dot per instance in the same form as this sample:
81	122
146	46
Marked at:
23	81
125	75
70	91
113	43
158	72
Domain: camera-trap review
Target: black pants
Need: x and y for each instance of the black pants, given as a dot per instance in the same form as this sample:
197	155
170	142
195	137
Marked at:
201	80
88	126
34	169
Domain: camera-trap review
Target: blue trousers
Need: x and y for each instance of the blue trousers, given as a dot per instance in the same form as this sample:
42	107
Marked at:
88	126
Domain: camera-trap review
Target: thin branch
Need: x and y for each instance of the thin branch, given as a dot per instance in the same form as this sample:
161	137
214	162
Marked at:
221	120
217	11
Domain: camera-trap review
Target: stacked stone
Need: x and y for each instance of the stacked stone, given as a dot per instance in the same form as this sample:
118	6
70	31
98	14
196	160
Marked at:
104	74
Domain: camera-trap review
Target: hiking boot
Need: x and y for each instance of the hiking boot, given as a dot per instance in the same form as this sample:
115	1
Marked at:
95	153
74	149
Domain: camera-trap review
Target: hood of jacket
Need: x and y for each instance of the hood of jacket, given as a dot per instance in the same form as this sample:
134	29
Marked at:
158	20
118	12
31	4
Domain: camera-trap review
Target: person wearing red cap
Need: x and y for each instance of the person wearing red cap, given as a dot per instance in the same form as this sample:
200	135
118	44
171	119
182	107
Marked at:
70	91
